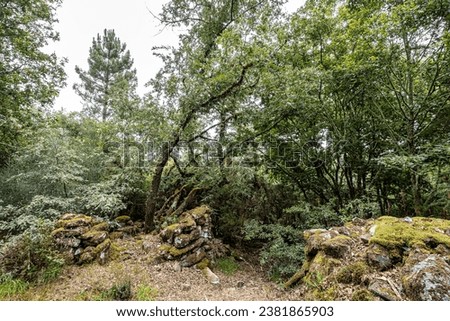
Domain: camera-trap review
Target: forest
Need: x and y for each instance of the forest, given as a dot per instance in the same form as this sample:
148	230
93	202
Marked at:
278	122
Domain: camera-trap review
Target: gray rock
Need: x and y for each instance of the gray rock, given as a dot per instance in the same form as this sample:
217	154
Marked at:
428	280
383	289
378	257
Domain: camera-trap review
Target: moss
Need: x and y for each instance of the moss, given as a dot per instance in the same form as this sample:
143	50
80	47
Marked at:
329	294
58	231
423	232
338	246
102	246
122	219
115	251
362	295
352	273
79	220
323	264
172	250
200	211
202	264
100	227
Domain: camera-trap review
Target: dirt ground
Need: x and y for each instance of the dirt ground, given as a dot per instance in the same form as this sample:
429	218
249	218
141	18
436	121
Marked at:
166	280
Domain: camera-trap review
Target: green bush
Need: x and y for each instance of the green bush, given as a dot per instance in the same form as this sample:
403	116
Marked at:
283	250
31	256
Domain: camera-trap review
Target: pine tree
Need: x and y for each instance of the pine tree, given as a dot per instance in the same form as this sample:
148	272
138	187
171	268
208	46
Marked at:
110	66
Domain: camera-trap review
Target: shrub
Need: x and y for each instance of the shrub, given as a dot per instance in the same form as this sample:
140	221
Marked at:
283	251
31	256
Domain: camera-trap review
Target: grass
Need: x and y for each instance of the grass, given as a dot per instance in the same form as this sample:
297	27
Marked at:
227	265
146	293
10	287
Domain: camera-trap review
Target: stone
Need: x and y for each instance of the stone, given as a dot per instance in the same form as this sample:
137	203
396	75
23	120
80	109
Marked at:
383	289
210	276
193	258
123	220
428	280
94	238
365	238
184	240
315	240
338	247
177	267
87	256
129	230
186	287
68	242
378	257
240	284
104	226
116	235
75	221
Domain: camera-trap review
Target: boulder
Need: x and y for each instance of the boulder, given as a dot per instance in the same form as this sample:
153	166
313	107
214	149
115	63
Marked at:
378	257
428	280
338	246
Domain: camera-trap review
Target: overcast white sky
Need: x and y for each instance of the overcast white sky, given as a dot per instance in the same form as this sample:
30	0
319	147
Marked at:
81	20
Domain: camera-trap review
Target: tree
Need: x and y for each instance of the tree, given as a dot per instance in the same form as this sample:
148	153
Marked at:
110	68
29	78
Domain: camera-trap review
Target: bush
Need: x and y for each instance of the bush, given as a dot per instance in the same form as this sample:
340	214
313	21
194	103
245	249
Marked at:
283	250
31	256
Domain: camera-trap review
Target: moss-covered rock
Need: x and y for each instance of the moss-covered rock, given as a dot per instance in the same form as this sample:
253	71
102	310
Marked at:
352	273
87	255
338	246
428	280
103	226
423	232
74	221
94	238
123	220
315	240
378	257
362	295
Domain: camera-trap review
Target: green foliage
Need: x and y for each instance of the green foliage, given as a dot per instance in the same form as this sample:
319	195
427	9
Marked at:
146	293
283	249
31	256
28	76
120	291
10	287
308	216
227	265
108	86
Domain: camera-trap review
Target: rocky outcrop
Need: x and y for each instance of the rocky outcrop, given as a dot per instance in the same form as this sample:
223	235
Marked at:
190	241
85	239
384	259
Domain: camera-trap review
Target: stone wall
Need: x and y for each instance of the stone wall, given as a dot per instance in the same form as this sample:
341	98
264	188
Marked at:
85	239
190	240
384	259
